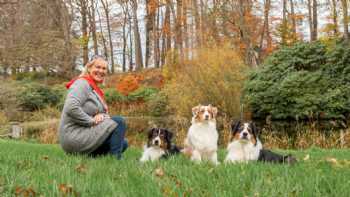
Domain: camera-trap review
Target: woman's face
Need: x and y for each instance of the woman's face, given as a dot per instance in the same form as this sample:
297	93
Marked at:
98	70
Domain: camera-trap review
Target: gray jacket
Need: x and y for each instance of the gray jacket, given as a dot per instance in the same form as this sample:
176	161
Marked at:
77	132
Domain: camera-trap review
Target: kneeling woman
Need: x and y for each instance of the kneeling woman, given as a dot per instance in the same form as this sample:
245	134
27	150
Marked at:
86	127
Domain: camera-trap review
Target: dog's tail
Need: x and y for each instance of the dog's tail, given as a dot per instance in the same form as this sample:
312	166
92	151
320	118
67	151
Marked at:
187	151
289	159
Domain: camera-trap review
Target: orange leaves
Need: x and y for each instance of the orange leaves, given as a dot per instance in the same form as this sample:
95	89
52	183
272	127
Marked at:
67	190
25	192
129	83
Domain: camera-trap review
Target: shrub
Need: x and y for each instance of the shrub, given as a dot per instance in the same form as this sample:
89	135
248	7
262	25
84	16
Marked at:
113	96
158	104
37	96
142	94
307	80
129	83
214	76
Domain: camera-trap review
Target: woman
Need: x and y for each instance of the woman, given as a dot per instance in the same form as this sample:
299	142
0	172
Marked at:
86	127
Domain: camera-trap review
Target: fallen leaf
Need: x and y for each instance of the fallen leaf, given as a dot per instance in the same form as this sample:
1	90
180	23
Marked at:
81	168
45	157
18	190
332	160
26	192
307	157
67	189
159	172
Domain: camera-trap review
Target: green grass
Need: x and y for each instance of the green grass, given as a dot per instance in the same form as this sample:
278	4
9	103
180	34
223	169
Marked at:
47	171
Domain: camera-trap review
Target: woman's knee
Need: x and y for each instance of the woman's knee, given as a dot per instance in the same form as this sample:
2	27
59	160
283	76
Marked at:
120	120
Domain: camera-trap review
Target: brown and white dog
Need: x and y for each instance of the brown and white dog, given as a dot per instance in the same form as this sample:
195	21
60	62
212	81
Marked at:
245	146
201	142
159	145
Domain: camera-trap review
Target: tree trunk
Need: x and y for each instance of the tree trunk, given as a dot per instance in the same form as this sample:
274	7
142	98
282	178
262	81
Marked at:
315	19
284	23
131	52
197	20
150	17
178	28
66	22
156	41
265	29
294	25
250	56
138	50
334	16
125	22
105	50
345	19
105	5
84	30
92	20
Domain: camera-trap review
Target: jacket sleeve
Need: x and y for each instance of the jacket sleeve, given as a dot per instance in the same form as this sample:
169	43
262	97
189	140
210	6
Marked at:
77	95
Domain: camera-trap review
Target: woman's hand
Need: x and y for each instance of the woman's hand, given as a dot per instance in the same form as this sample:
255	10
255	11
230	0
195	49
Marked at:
99	118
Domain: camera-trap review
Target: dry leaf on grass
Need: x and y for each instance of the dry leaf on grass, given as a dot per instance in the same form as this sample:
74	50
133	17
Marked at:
81	168
159	172
24	192
67	189
332	160
307	157
45	157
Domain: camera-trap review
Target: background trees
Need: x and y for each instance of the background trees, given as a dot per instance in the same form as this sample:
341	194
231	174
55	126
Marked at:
133	35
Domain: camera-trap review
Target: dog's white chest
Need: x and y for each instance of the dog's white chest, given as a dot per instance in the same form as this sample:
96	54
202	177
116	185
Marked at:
152	154
203	136
238	152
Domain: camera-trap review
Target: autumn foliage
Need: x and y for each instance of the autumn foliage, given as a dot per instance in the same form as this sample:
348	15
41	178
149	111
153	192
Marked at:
129	83
214	76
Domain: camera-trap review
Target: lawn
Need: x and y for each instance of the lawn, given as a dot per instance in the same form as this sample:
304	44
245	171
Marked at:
44	170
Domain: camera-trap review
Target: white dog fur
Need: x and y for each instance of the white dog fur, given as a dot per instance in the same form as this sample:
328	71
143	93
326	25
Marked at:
202	137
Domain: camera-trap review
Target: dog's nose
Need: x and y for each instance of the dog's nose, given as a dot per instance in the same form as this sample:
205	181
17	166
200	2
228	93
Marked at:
245	134
156	142
206	116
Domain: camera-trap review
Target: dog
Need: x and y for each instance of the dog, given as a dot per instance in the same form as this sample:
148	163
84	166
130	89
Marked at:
245	146
201	142
159	145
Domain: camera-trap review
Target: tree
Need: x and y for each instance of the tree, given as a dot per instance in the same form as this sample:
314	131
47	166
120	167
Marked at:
137	40
312	16
345	19
106	9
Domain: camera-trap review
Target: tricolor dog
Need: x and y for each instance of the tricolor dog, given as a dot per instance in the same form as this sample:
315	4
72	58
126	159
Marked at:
201	142
245	146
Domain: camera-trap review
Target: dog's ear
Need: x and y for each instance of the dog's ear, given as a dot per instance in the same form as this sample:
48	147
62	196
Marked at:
254	129
169	135
196	109
150	133
235	126
214	110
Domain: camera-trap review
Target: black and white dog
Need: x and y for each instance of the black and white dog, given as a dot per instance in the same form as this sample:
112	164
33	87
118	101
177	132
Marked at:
159	145
246	146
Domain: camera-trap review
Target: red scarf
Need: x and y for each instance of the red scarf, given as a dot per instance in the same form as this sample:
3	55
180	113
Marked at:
92	83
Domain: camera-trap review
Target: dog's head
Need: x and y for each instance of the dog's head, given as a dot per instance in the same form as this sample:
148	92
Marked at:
244	132
202	113
160	137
